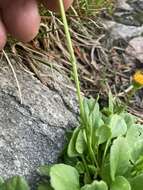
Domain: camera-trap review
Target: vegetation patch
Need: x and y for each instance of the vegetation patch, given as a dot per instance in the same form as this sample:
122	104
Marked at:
106	150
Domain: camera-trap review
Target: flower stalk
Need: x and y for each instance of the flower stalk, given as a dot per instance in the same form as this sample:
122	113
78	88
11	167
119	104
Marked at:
72	56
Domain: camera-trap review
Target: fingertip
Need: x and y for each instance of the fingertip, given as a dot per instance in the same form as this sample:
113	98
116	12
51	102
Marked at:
22	19
30	33
3	35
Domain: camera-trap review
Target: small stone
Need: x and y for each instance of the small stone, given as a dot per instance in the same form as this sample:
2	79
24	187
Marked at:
121	31
135	48
123	5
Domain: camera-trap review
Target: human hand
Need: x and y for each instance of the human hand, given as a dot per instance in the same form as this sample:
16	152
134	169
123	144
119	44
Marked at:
21	18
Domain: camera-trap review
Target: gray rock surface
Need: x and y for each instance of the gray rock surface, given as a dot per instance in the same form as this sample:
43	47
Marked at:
32	133
129	12
122	32
127	22
123	5
135	49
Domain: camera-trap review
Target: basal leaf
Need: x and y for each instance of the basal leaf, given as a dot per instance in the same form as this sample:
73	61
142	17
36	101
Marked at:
111	102
129	119
1	181
44	170
80	143
119	157
137	150
92	169
91	104
96	185
105	171
44	186
96	116
16	183
71	147
132	135
88	105
120	183
103	133
80	167
86	178
137	182
64	177
118	125
135	140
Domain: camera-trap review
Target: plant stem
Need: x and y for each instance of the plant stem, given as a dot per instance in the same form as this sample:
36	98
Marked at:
72	56
105	150
74	66
86	168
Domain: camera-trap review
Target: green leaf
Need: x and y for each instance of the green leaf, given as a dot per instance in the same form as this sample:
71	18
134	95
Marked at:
118	125
72	152
111	102
1	181
91	104
137	182
96	116
103	133
96	185
86	108
92	169
105	173
135	140
137	150
86	178
92	113
44	170
129	119
80	143
137	168
16	183
44	186
120	183
119	157
64	177
80	167
132	135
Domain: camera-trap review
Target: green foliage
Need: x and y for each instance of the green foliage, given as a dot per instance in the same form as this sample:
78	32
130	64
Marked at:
120	183
92	7
107	154
108	147
119	157
44	170
15	183
95	185
63	177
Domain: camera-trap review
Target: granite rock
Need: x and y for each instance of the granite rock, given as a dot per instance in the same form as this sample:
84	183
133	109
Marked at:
32	133
134	49
119	32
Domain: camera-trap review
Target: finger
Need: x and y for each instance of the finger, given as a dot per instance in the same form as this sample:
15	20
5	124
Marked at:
53	5
21	19
3	35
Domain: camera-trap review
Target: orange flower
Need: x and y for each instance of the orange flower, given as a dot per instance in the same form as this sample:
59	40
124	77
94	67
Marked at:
138	78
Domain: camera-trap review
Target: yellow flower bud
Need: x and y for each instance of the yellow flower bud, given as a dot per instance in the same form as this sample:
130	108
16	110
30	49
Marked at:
138	78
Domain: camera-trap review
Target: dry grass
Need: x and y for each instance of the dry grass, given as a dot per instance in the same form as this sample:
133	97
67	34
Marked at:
99	68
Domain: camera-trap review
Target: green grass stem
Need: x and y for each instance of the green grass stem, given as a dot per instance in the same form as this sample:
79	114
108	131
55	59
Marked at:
72	55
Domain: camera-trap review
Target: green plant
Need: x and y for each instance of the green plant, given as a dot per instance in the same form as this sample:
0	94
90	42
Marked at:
104	152
107	152
15	183
92	7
